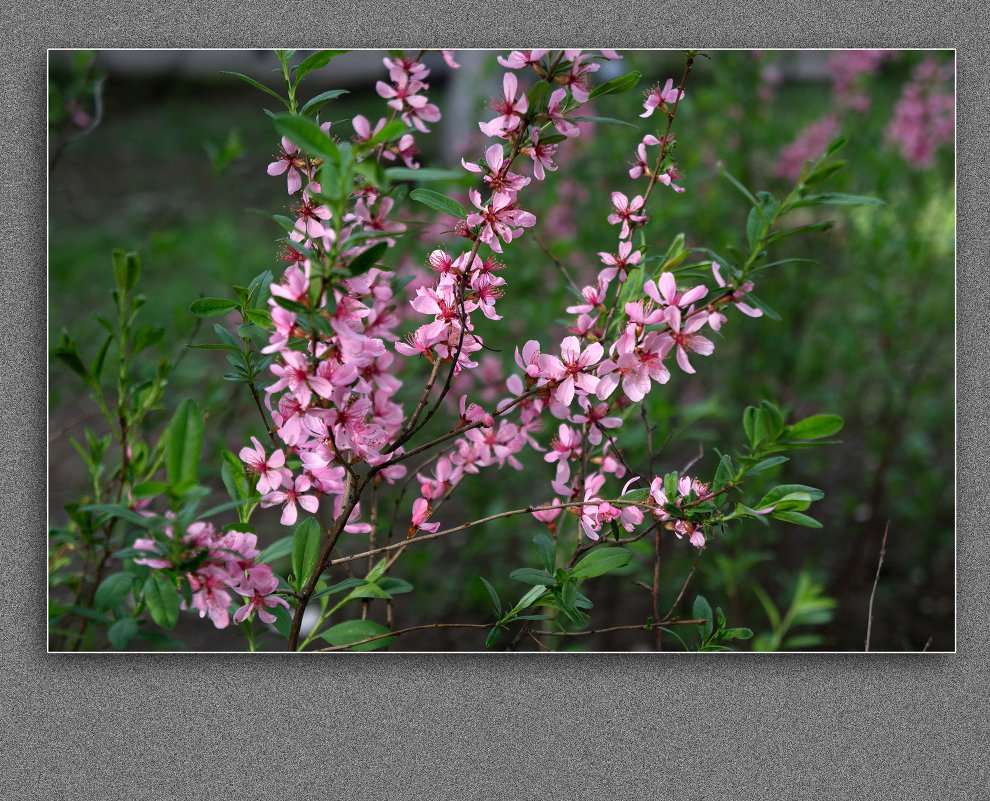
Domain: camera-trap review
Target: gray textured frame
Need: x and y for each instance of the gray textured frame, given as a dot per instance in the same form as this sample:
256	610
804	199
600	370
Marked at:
439	726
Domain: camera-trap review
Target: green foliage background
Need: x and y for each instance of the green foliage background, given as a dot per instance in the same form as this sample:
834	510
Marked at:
175	167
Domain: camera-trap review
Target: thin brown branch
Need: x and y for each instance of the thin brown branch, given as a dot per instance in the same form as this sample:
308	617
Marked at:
876	578
406	631
686	582
637	627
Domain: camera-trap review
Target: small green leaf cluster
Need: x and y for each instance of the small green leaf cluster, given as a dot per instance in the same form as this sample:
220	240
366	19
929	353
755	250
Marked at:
554	587
713	632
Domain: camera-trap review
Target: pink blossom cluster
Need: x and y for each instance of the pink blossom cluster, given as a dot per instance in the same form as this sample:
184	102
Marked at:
924	117
809	144
467	283
846	66
332	401
685	486
404	93
225	562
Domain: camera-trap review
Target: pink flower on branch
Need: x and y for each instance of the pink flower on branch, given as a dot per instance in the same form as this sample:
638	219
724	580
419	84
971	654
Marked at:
625	211
500	218
292	495
291	161
660	98
510	109
570	370
686	340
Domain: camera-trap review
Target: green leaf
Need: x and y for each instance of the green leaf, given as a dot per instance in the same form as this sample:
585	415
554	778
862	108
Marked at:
322	99
528	575
738	634
256	85
378	570
795	517
841	199
148	489
185	438
492	637
212	307
621	84
346	584
766	464
395	586
365	260
305	549
126	269
531	597
112	590
606	120
736	183
439	202
772	419
319	59
792	492
600	561
755	228
67	352
801	229
306	135
356	630
724	474
277	550
240	489
496	602
703	609
368	590
422	174
161	599
547	551
122	632
389	131
121	511
815	427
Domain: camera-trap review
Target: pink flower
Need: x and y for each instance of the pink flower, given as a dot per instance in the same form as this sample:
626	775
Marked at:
737	294
519	59
421	512
510	109
548	514
293	494
290	160
555	109
624	211
297	374
619	262
664	291
658	97
642	165
500	218
270	470
569	369
542	155
685	339
210	594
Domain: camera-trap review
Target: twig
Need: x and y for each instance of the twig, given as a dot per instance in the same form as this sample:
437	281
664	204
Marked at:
686	582
554	259
876	578
406	631
695	460
637	627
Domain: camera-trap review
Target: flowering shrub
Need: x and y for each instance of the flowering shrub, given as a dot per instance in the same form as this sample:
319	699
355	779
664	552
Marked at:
352	359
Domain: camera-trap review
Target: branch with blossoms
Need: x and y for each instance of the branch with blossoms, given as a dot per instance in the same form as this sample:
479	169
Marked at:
320	348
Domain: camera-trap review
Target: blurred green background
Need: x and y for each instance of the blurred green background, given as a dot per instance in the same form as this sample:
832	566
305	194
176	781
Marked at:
175	164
